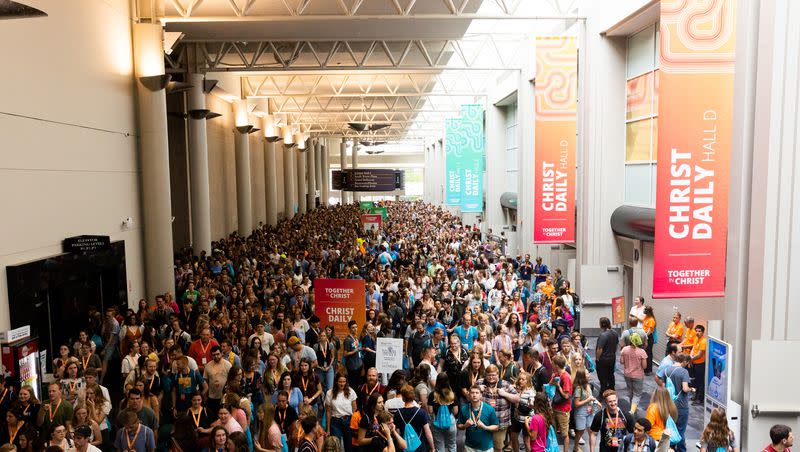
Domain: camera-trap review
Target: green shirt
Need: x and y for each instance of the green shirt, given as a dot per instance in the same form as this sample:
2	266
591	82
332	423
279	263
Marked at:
476	437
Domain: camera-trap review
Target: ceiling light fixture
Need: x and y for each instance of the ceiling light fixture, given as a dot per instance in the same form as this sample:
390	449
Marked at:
155	82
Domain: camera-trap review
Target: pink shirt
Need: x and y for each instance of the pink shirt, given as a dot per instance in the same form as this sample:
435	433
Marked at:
631	359
537	425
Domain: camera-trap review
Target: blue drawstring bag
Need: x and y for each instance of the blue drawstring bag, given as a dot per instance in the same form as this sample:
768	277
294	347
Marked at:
284	443
552	441
443	420
675	436
590	366
409	434
550	390
673	392
655	336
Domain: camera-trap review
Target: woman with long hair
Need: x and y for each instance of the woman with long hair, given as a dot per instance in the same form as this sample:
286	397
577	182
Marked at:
661	407
12	427
581	404
540	422
421	382
515	331
368	424
98	409
80	416
27	404
443	408
285	384
326	358
649	326
340	404
522	411
474	372
219	440
717	434
273	372
130	332
251	381
306	379
269	434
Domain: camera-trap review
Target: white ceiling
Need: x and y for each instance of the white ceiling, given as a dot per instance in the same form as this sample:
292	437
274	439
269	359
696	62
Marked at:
324	63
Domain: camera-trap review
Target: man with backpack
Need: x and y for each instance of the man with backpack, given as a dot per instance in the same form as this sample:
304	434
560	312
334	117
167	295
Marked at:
678	385
479	420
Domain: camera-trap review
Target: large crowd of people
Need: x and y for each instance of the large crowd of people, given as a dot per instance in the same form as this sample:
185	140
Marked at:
237	360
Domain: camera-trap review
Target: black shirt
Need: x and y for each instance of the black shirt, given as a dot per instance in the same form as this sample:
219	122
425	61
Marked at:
307	446
608	341
612	428
285	418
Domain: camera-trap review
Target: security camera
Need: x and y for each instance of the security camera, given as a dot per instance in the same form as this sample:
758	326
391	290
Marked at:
128	222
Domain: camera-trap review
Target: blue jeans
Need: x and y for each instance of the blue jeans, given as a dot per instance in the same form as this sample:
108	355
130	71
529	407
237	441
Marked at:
326	378
340	428
681	423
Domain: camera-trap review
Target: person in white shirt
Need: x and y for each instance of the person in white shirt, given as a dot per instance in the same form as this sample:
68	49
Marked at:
267	340
637	310
427	358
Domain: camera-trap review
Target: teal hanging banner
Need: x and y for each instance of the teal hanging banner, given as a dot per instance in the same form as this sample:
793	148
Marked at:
472	158
453	172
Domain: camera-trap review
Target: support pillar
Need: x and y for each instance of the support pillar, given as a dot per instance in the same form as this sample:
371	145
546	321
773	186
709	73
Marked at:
318	167
343	166
325	172
300	168
271	182
244	203
289	191
198	167
154	149
311	172
356	195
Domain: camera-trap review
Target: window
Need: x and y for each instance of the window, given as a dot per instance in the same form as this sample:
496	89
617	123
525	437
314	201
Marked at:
512	148
641	117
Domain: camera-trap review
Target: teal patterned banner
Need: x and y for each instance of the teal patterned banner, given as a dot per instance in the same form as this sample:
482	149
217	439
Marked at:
453	174
472	158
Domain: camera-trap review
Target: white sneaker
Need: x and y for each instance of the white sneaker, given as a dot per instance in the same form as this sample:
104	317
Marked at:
581	442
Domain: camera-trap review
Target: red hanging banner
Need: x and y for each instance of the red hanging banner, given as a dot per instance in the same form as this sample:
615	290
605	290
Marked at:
556	96
694	143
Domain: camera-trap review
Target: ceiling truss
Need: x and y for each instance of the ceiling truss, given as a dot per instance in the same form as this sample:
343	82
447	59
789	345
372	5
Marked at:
184	10
483	52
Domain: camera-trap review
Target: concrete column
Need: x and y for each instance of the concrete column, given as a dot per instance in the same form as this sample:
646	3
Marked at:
318	167
325	171
343	165
289	175
354	150
156	197
271	183
244	203
198	166
311	172
300	169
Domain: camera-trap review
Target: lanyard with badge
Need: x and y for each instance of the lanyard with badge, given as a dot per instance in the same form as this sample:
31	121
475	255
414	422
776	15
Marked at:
132	442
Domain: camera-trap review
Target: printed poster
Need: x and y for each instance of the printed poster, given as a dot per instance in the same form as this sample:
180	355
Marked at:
337	301
698	43
556	97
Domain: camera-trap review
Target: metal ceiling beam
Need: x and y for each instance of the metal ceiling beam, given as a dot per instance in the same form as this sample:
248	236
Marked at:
482	51
382	17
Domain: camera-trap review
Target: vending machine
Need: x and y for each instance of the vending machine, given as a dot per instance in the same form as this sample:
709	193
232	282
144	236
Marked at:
19	363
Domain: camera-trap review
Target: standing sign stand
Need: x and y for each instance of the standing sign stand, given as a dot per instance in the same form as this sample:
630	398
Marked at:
388	356
718	368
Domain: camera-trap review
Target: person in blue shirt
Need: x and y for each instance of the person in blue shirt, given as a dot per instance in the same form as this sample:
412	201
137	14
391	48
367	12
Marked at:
432	324
666	363
479	420
466	332
540	271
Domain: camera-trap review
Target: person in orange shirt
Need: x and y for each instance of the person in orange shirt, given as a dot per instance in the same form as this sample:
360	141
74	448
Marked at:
690	338
698	356
649	327
661	407
675	330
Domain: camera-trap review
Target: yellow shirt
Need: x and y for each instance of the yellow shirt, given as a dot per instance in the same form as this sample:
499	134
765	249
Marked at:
548	289
699	346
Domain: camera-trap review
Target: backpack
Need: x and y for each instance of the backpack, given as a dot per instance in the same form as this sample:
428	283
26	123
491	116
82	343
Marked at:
409	434
443	420
673	392
674	435
552	440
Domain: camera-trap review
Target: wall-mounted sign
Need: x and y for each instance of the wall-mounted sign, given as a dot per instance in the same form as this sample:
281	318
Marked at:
86	243
618	310
368	180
